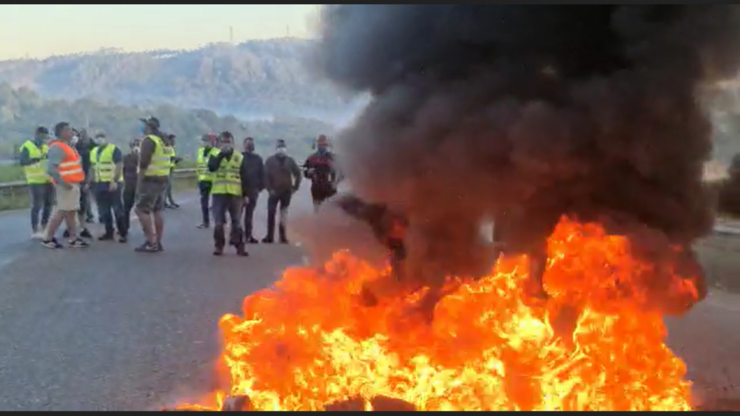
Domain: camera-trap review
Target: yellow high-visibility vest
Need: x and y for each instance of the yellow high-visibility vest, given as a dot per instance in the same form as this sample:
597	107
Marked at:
35	172
202	167
227	180
102	162
160	164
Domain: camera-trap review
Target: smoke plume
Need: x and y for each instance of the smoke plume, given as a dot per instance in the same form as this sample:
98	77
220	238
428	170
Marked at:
538	111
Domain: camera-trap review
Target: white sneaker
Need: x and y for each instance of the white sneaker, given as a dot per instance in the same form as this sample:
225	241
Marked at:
38	235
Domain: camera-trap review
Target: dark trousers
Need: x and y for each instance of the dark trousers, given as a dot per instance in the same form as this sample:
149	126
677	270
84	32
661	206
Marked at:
42	201
129	200
110	208
204	187
283	200
320	193
249	214
221	205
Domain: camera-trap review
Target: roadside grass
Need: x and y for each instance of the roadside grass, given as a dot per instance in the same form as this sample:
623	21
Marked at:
20	199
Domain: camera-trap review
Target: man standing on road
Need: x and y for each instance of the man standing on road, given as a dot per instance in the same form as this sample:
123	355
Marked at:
32	154
65	170
174	160
154	172
130	177
84	145
205	177
230	185
107	169
319	168
256	181
282	179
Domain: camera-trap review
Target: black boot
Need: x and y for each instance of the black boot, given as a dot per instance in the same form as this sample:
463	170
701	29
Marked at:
283	235
219	239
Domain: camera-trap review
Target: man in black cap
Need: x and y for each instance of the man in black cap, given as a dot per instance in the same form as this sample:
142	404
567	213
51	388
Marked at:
154	171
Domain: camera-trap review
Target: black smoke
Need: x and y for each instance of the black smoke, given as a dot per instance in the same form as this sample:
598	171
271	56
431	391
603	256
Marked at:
537	111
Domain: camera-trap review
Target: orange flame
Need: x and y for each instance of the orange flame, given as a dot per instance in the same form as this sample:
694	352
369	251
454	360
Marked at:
307	342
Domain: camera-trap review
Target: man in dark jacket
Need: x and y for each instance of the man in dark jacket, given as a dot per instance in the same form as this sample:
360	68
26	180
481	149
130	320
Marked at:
130	177
282	179
256	179
319	168
230	187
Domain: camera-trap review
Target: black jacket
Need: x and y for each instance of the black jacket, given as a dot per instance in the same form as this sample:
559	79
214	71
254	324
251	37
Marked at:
255	171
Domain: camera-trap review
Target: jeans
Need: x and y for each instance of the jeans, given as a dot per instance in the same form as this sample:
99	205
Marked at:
204	187
129	199
110	207
283	200
42	201
249	213
221	205
168	192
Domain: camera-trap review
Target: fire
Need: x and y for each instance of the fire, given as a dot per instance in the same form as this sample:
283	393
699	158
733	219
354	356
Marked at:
594	345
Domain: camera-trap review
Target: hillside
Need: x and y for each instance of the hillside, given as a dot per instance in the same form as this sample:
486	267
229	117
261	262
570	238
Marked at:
22	110
255	79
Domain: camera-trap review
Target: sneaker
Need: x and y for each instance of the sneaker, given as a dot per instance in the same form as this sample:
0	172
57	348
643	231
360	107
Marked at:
85	233
174	205
122	239
53	244
160	247
284	241
106	237
78	243
147	247
65	234
38	235
267	240
252	240
204	226
218	251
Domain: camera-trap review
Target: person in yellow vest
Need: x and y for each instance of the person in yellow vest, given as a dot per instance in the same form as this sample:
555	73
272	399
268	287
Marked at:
32	156
230	185
65	169
169	201
106	165
154	176
205	177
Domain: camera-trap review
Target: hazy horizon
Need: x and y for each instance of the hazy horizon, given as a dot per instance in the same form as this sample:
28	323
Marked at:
134	28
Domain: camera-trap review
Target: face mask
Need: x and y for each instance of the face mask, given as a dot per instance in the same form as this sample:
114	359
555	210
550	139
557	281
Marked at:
281	151
226	147
250	148
323	150
102	141
74	140
135	149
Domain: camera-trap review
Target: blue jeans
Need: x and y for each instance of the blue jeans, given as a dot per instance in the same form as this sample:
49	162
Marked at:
42	201
110	206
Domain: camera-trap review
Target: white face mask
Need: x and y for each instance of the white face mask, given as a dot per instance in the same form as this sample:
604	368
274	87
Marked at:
282	150
102	141
74	140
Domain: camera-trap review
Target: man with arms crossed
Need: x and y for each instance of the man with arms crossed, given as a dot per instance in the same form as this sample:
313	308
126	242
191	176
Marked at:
65	169
32	154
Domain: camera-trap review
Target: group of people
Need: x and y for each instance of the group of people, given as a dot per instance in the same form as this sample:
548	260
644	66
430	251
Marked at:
70	168
230	183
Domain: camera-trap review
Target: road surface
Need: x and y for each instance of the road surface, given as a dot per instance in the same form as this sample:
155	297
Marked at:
110	329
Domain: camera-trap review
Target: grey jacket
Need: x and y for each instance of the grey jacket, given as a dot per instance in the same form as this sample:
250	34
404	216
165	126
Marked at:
282	174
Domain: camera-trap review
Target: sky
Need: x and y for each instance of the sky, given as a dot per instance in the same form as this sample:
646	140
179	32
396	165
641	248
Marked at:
38	31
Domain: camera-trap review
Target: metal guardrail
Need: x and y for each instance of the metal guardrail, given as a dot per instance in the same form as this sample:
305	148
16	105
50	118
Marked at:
12	187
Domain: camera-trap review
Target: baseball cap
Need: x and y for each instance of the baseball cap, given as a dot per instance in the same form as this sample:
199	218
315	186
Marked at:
280	143
42	130
150	121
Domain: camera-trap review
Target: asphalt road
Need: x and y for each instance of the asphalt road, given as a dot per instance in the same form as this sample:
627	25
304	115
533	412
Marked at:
110	329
